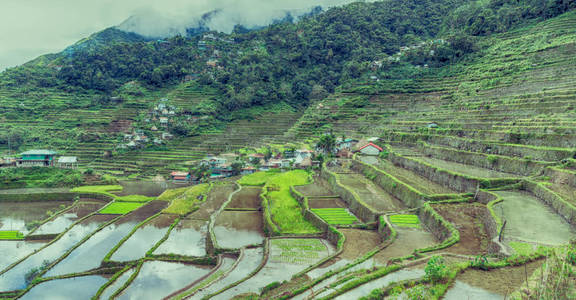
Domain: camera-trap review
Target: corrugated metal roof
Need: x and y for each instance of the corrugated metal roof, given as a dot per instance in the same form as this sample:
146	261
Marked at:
68	160
39	152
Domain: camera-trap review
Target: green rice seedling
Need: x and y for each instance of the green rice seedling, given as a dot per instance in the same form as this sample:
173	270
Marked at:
120	208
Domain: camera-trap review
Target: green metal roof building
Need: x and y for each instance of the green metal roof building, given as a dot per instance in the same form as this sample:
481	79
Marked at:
37	158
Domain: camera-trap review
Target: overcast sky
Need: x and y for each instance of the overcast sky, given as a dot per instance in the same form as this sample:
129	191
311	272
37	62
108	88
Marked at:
30	28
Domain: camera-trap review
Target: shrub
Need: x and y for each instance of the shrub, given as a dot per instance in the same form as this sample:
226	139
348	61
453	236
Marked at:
436	269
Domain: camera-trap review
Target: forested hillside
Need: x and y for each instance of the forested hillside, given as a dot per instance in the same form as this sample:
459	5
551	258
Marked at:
80	95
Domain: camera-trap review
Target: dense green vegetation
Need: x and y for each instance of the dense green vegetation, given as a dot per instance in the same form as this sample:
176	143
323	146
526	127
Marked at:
11	235
405	220
335	216
285	211
38	177
98	189
189	200
120	208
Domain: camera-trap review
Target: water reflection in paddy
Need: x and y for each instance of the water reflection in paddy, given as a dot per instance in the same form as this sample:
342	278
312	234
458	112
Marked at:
158	279
15	215
187	238
63	221
71	288
15	278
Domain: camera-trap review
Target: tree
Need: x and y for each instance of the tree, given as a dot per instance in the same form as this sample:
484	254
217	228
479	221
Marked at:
327	143
237	168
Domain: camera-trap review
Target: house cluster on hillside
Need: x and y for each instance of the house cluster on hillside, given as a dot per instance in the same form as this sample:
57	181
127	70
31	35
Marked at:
230	164
40	158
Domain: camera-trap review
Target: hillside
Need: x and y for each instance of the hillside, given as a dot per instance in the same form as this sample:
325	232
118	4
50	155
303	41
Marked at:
377	70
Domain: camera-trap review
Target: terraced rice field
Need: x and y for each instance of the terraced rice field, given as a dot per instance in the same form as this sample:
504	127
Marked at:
335	216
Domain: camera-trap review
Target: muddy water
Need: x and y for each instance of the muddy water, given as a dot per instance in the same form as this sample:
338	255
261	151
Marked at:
319	188
146	188
461	290
63	221
248	197
365	289
15	215
143	239
236	229
111	289
407	240
72	288
250	260
529	219
277	268
90	254
11	251
187	238
159	279
15	277
335	202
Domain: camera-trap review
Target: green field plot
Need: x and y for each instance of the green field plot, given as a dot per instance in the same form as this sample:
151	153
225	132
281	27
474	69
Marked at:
335	216
98	189
120	208
297	251
11	235
188	200
405	221
258	178
285	210
134	198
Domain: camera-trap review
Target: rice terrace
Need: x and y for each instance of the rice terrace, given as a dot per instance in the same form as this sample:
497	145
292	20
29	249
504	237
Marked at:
359	150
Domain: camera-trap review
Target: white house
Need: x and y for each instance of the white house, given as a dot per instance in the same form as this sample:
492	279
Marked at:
370	149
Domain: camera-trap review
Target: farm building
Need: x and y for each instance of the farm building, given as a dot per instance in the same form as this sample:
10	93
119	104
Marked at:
370	149
36	158
180	176
68	162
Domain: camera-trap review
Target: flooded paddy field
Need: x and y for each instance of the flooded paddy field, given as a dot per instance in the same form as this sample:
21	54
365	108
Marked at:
158	279
12	251
216	198
120	281
144	238
496	283
319	188
335	202
146	188
15	278
83	287
530	220
236	229
247	198
187	238
467	218
16	215
63	221
365	289
248	262
407	240
287	257
90	254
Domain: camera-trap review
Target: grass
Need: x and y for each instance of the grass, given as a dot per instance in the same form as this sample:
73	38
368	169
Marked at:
98	189
11	235
188	201
171	194
258	178
411	221
285	210
524	249
335	216
120	208
134	198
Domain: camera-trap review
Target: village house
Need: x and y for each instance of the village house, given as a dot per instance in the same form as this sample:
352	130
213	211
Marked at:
167	135
370	149
300	155
345	144
177	176
163	121
36	158
68	162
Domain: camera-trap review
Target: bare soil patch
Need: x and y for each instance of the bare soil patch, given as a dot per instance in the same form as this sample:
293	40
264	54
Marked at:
467	218
326	203
407	240
317	189
359	242
248	197
216	198
144	212
502	281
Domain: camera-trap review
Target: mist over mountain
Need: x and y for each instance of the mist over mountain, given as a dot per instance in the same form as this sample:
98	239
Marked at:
222	16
